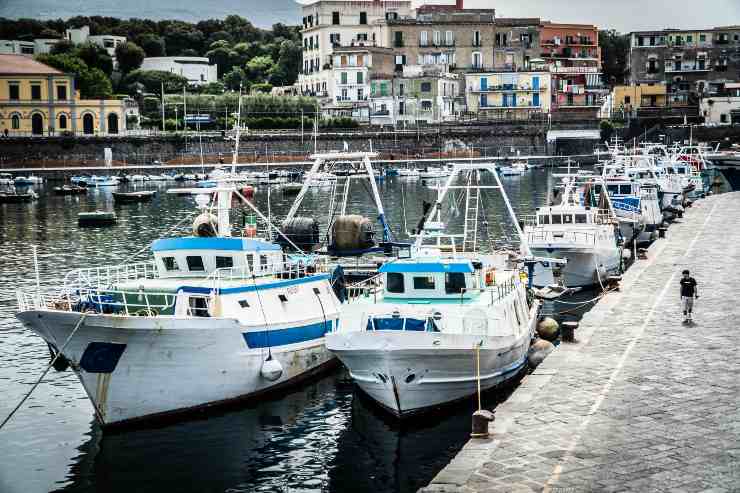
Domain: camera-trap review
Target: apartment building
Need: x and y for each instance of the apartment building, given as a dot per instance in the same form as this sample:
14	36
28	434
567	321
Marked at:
629	99
462	39
330	24
691	63
723	107
197	70
516	42
8	47
426	95
355	71
515	95
573	56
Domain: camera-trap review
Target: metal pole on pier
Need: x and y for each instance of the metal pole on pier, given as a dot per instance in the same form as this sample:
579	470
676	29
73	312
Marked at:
162	107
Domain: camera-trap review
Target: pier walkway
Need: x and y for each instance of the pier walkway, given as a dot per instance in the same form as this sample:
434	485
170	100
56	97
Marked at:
640	402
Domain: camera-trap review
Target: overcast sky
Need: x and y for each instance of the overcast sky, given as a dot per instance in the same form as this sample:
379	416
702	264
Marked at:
622	15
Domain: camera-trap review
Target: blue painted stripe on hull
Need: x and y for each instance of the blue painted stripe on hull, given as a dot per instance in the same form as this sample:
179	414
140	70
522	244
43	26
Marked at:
283	337
258	287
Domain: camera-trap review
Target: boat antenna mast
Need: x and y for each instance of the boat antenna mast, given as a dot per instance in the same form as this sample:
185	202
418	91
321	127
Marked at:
238	131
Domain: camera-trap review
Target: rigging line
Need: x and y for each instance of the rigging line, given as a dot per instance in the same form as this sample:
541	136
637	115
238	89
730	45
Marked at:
167	233
403	207
41	378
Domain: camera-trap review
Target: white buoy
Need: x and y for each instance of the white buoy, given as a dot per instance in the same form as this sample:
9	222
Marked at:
271	369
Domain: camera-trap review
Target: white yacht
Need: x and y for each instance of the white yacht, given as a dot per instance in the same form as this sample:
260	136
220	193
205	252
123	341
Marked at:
412	336
211	319
586	235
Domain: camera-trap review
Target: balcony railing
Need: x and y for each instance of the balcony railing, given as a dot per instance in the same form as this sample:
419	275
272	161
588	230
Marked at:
508	88
689	68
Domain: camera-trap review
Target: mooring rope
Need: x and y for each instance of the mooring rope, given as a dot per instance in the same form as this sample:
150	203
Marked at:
35	385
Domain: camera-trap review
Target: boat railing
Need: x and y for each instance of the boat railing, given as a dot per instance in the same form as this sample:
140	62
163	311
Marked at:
372	286
102	301
437	321
283	270
549	236
102	277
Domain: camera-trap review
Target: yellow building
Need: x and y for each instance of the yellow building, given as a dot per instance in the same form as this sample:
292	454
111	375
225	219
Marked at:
515	94
629	98
36	99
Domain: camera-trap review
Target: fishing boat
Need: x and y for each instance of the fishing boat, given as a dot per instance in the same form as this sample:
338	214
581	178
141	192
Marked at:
6	179
412	336
518	168
130	197
432	173
27	180
15	197
213	318
96	218
103	181
585	233
70	190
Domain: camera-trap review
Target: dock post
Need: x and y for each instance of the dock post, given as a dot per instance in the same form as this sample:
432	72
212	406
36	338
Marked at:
481	418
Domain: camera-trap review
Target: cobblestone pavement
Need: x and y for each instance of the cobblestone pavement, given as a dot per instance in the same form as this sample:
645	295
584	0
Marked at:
640	402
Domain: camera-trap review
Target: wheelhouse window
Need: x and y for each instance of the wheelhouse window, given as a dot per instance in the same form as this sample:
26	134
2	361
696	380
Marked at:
198	306
169	263
581	219
557	219
250	261
394	282
224	262
195	263
244	303
454	282
263	261
567	219
544	219
425	282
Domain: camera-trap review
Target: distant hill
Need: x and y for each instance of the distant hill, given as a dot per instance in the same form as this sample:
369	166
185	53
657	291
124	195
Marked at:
261	13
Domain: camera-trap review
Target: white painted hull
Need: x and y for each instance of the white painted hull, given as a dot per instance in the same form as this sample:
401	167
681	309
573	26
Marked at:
410	372
584	268
171	365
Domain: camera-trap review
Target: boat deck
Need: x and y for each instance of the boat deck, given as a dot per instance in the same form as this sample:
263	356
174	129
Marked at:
640	402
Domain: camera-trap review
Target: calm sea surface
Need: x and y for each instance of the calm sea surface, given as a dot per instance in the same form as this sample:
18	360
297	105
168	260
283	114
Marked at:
323	437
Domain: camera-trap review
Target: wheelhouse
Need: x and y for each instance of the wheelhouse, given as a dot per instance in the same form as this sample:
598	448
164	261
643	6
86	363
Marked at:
453	279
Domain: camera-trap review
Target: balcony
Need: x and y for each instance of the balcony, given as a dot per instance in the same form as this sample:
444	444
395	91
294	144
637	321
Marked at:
436	45
688	68
507	88
501	107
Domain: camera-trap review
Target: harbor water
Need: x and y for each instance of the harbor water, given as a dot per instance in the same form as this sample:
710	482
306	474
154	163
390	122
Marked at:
323	436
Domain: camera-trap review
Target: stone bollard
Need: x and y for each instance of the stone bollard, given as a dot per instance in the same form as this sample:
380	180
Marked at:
568	331
481	419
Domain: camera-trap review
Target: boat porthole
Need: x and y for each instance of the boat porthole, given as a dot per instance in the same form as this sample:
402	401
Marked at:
437	342
410	378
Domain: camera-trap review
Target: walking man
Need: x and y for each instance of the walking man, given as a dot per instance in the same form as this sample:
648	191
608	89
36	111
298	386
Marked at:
688	293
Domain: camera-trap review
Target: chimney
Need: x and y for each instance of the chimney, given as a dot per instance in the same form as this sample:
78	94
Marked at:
459	5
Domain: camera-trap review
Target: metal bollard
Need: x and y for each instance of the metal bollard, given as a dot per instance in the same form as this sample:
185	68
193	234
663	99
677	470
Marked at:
481	419
568	331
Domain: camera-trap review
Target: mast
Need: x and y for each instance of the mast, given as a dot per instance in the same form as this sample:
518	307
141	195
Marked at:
238	132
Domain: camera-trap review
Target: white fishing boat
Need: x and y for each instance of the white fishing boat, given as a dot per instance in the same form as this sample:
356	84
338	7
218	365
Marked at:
103	181
586	234
412	335
212	318
6	179
433	173
518	168
28	180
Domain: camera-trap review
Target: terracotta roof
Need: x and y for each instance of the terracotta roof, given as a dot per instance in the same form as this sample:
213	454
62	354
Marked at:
23	65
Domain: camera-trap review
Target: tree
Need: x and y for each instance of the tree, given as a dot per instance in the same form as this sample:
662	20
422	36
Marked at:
220	56
63	46
259	67
129	56
92	82
234	78
152	80
152	44
212	88
95	57
615	49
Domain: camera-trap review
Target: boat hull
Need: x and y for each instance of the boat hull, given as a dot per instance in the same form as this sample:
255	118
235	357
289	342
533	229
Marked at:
408	373
580	270
169	366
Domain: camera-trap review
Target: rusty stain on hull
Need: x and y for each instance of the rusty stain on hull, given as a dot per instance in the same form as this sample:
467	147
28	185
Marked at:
101	394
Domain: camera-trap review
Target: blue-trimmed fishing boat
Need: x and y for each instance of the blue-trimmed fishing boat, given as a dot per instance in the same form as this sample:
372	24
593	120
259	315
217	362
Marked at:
212	318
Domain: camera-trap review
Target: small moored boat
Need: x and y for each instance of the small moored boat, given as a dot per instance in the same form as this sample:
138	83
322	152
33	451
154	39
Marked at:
129	197
70	190
97	218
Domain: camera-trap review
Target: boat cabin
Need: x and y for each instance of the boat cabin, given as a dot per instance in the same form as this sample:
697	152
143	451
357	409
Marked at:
201	256
558	216
434	279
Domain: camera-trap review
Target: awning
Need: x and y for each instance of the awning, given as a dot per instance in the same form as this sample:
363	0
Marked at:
553	135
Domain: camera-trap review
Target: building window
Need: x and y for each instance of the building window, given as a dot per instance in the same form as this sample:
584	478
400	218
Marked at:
15	122
363	17
426	87
702	38
35	92
426	106
689	39
334	38
401	108
62	93
335	18
401	89
627	100
360	78
436	38
14	92
62	122
423	38
169	263
652	66
476	38
449	38
343	77
360	94
195	263
398	39
477	60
